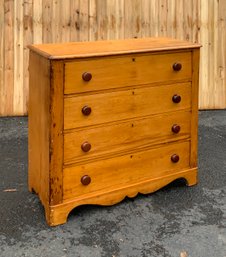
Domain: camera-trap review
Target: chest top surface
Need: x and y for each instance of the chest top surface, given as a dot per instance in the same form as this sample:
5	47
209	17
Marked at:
110	47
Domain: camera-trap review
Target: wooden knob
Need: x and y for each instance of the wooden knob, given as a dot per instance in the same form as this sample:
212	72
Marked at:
176	128
176	98
86	146
86	110
177	66
87	76
85	180
175	158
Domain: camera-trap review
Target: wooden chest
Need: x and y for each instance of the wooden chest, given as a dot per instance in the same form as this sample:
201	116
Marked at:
110	119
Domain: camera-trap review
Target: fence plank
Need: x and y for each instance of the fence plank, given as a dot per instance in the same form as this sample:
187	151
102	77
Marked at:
221	56
2	66
45	21
7	90
18	96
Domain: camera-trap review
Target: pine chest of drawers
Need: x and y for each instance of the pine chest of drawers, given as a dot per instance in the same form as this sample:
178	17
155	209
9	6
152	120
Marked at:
110	119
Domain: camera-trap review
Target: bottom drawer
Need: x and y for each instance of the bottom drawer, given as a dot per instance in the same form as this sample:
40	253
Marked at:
124	170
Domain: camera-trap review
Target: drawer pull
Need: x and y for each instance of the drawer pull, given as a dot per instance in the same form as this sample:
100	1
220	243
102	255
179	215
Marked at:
86	110
86	146
87	76
177	66
176	99
85	180
175	158
176	128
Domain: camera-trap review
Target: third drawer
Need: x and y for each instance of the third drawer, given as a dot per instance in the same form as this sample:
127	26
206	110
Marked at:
115	138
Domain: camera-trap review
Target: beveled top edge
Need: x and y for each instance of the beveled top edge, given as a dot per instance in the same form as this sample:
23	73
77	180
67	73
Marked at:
109	47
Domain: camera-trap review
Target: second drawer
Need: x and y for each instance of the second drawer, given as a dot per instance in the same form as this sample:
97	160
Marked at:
90	143
82	111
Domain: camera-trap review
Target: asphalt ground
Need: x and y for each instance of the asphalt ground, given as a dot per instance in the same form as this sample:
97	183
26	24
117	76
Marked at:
166	223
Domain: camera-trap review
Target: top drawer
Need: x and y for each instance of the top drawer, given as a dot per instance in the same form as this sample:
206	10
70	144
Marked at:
115	72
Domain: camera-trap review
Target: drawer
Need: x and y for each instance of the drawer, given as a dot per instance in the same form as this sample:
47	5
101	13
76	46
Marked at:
116	72
126	104
121	137
124	170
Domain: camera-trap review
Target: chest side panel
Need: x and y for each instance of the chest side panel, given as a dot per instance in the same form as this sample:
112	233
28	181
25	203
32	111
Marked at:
38	126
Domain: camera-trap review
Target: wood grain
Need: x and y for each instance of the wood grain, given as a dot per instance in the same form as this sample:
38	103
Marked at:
125	170
110	47
56	132
126	144
2	59
7	90
59	213
199	21
134	70
119	138
194	118
38	124
125	104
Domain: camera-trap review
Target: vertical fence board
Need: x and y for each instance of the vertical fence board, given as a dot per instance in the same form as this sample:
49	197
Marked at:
154	18
84	20
28	32
45	21
18	106
92	20
145	18
120	27
221	56
65	20
37	21
7	90
2	17
132	16
102	20
74	23
204	62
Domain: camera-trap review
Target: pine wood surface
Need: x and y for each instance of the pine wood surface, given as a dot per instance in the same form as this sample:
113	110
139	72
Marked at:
59	213
52	21
121	137
38	127
125	169
56	131
194	119
125	104
129	128
109	47
129	70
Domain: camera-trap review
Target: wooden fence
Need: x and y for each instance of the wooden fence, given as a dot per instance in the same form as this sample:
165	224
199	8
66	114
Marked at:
24	22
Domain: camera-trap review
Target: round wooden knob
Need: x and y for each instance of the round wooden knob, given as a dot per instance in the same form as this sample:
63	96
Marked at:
176	98
177	66
175	158
85	180
176	128
86	110
86	146
86	76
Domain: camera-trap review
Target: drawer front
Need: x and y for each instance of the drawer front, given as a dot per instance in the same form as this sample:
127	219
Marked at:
124	104
125	71
121	137
124	170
